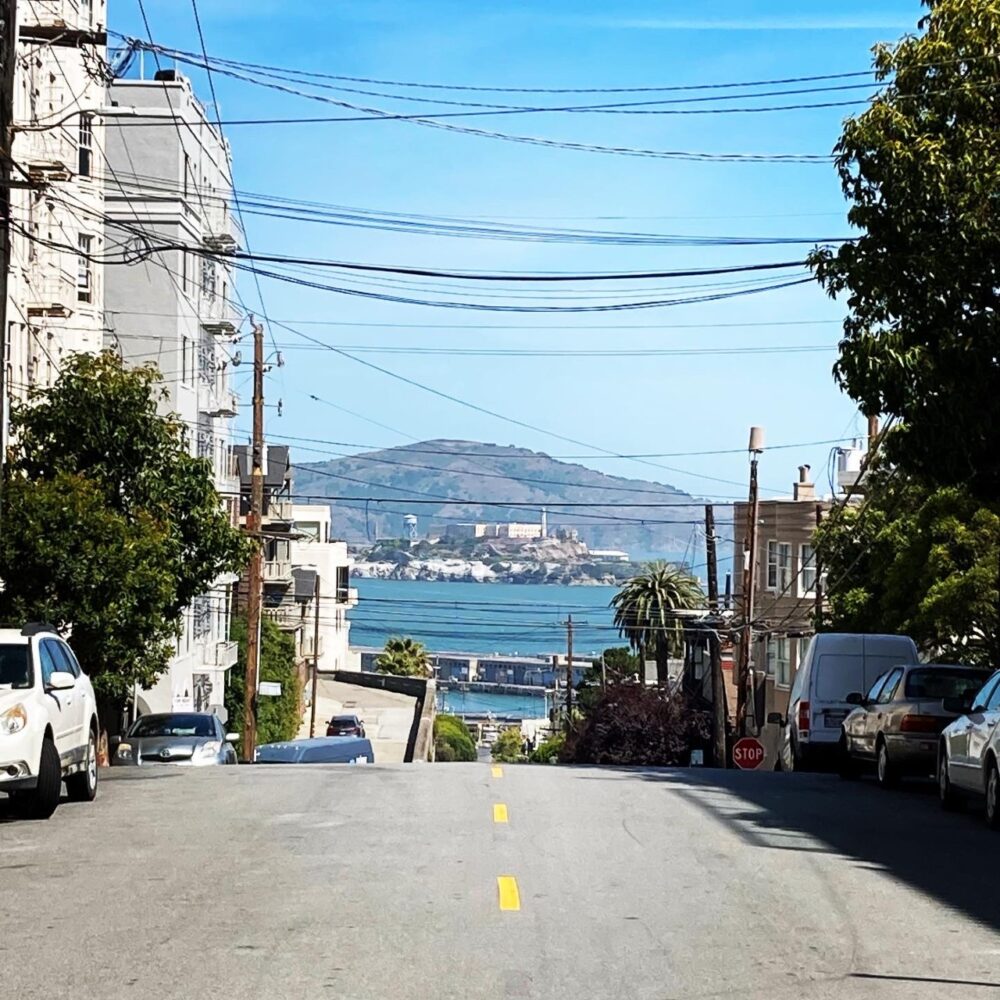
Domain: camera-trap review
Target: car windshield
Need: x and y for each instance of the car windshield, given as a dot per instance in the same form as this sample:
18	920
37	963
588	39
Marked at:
343	721
173	725
15	666
928	684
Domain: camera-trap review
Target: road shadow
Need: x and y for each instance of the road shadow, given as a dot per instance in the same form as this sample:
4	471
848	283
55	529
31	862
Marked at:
902	832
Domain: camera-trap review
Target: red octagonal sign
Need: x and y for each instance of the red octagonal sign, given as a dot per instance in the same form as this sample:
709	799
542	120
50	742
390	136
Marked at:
748	753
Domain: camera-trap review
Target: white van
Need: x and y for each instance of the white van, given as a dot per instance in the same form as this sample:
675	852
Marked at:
834	665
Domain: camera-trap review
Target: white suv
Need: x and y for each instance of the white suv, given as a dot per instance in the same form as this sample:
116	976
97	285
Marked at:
48	721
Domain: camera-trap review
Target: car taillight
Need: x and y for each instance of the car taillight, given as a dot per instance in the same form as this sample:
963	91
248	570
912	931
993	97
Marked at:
921	724
803	716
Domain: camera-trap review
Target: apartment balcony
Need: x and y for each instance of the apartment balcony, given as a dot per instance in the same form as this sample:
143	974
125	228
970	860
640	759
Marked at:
281	510
222	327
222	404
44	18
225	655
347	596
308	646
278	571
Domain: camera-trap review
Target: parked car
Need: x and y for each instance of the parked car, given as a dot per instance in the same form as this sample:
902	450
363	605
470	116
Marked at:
896	724
969	751
48	722
194	739
320	750
345	725
834	665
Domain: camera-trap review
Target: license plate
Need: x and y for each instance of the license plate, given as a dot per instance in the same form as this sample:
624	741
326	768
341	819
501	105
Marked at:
832	720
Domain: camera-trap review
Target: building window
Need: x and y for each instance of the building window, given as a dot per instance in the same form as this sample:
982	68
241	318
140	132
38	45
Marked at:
779	664
343	584
85	145
779	565
84	270
208	277
807	569
187	361
184	270
187	170
201	616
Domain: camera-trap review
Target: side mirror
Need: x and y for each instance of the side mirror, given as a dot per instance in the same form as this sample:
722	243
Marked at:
775	719
232	737
60	680
855	698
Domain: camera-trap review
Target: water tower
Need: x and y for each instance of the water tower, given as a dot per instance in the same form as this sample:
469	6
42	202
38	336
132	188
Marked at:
410	525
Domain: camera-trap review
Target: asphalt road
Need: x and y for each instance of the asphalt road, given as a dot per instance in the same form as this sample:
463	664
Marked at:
382	882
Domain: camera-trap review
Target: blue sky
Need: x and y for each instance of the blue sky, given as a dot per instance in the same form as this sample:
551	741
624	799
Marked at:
629	404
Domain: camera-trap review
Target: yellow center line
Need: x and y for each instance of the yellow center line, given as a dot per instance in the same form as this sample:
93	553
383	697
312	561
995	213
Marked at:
496	771
499	812
510	898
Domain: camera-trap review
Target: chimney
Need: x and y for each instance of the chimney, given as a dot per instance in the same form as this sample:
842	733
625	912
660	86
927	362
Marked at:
872	432
803	489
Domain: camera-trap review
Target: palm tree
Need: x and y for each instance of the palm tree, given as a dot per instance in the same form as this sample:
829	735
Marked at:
404	657
646	612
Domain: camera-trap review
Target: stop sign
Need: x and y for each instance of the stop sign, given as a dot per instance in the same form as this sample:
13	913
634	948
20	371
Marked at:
748	753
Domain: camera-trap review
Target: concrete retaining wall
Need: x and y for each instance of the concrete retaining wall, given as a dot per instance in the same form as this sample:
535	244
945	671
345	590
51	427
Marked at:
420	744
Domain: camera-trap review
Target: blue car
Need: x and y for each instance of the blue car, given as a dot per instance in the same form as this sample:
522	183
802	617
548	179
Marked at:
321	750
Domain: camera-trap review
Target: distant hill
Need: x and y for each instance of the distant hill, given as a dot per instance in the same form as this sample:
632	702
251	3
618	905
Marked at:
470	470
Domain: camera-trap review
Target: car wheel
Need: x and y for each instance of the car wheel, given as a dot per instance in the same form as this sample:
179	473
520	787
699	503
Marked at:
946	791
884	769
993	796
847	766
41	801
82	786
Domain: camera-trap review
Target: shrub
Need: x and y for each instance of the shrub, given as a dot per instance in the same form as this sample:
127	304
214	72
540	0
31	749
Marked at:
549	750
629	724
507	748
452	739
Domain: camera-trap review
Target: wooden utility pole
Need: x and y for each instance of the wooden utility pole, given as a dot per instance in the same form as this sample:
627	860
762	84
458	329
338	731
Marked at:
315	682
8	59
719	710
569	672
749	586
818	585
254	524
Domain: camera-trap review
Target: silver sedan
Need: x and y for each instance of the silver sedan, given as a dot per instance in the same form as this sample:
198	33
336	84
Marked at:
896	725
195	739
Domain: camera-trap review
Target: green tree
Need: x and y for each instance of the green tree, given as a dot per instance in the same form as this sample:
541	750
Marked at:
404	657
916	560
509	746
280	718
111	527
646	612
452	739
620	666
921	170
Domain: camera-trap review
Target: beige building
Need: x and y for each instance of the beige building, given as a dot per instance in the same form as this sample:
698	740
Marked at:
785	595
519	529
55	289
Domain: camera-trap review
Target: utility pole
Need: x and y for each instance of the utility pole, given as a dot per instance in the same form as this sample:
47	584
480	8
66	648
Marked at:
749	584
719	712
818	585
569	672
8	59
254	524
604	674
315	684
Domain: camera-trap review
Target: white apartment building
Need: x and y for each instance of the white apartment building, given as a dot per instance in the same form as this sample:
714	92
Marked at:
314	548
55	291
171	183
